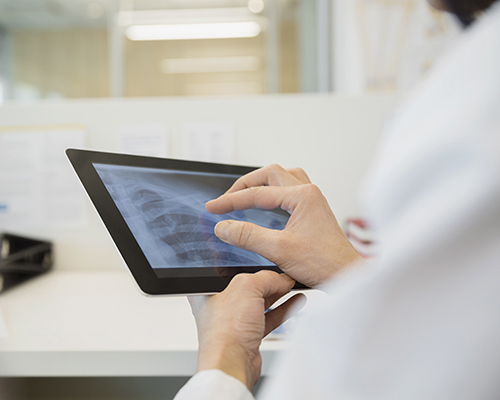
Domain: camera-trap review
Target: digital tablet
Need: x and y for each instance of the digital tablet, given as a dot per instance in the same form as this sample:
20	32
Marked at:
154	210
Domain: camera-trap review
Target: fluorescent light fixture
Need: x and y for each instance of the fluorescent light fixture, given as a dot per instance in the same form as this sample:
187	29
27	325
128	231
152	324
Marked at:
224	30
210	65
256	6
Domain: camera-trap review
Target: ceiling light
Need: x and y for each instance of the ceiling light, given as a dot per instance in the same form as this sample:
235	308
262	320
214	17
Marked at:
210	65
194	31
256	6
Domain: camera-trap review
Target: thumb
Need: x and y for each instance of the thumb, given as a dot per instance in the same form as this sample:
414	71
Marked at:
248	236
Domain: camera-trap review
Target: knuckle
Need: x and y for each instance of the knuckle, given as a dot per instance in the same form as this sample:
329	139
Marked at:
297	171
244	234
255	189
254	193
241	279
265	274
263	277
312	190
276	168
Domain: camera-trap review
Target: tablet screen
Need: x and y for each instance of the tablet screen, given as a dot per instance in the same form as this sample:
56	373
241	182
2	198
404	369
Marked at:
165	211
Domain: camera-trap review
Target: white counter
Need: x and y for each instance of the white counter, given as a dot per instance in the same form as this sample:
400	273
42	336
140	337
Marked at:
96	323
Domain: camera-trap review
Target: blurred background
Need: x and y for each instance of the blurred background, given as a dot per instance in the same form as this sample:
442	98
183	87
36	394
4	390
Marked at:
62	49
306	83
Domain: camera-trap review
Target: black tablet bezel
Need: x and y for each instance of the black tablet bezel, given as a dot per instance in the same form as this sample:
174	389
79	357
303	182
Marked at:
211	280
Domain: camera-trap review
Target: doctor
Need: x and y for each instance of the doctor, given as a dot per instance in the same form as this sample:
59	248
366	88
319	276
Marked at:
424	321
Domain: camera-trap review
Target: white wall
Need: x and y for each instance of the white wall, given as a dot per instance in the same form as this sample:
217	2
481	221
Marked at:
332	137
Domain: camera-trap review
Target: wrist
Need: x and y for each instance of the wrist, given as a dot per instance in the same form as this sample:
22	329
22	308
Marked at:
228	358
340	262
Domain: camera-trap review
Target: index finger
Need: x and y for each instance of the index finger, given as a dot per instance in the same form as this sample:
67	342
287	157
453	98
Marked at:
265	197
272	175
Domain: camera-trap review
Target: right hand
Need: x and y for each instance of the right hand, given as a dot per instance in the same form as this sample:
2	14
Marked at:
311	248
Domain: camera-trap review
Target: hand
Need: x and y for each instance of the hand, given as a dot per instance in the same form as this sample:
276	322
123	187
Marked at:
311	248
232	324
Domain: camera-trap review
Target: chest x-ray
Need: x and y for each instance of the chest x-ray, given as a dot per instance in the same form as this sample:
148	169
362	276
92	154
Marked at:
165	211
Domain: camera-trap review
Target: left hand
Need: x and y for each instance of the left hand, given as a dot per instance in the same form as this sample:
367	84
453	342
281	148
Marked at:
232	324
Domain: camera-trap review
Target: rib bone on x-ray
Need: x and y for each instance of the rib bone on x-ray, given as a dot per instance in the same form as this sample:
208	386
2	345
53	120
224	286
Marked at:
165	211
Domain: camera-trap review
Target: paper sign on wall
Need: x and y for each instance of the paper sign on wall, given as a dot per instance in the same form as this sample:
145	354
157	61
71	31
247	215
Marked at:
146	139
38	188
209	141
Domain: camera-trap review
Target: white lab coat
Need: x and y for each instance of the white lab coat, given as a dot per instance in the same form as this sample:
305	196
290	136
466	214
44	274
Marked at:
424	323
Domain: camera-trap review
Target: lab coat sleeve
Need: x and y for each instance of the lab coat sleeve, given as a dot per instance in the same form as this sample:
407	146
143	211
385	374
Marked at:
425	323
214	385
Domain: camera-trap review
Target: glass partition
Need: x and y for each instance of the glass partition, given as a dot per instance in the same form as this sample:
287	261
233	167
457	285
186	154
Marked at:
96	48
58	49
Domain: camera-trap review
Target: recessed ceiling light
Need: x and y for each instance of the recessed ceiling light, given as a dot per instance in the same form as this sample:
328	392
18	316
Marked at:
256	6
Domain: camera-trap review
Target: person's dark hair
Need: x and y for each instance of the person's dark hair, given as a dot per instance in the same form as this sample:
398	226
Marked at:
466	10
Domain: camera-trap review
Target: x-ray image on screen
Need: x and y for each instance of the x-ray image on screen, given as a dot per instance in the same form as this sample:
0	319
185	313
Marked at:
165	211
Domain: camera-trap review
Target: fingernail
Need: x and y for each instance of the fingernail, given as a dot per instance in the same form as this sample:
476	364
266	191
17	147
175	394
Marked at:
222	230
